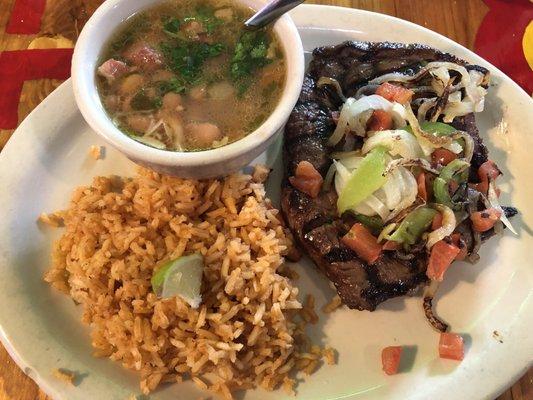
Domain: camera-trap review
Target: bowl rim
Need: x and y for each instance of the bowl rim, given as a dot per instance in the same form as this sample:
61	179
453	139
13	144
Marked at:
85	60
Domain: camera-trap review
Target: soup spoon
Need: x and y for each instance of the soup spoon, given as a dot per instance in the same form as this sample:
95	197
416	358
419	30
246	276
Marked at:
270	12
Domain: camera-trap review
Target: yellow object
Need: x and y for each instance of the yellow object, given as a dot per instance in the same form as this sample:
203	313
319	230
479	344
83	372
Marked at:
527	44
51	42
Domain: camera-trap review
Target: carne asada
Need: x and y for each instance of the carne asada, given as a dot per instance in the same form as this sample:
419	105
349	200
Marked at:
397	181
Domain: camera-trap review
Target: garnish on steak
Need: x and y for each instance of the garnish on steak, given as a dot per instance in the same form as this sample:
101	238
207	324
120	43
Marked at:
387	180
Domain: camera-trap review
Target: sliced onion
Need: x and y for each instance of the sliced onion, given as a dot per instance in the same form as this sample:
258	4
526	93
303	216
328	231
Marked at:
365	91
150	141
447	228
386	231
349	118
154	126
377	205
469	145
324	80
351	163
427	141
409	192
398	114
424	107
399	77
341	177
416	162
392	191
399	142
441	79
457	109
429	295
328	180
494	202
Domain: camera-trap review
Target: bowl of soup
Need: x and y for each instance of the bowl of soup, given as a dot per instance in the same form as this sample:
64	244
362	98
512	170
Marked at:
182	86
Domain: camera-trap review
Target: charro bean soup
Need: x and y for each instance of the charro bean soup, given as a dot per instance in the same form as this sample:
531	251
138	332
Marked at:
187	76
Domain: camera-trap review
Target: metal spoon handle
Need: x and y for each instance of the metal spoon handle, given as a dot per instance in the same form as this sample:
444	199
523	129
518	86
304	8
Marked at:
271	12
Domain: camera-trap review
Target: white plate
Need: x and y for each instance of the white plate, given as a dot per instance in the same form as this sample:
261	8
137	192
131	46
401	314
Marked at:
47	157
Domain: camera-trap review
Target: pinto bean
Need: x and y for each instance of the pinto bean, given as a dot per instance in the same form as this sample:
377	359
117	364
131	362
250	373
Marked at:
202	134
172	101
131	84
138	122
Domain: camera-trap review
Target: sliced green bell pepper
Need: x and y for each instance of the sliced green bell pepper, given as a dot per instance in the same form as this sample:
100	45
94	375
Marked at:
365	180
413	226
457	170
435	128
375	224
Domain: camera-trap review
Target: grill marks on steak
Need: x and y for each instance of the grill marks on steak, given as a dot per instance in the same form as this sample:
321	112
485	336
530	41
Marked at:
314	222
359	285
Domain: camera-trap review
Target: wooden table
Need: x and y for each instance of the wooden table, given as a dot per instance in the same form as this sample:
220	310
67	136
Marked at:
457	19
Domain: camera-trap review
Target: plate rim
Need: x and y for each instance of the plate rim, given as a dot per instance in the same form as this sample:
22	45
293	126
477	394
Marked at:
54	389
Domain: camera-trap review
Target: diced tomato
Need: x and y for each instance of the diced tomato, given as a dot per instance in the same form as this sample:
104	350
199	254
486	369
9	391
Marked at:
360	240
457	241
437	222
421	182
488	171
112	69
441	256
451	346
443	156
390	359
395	93
482	187
307	179
391	245
379	121
484	220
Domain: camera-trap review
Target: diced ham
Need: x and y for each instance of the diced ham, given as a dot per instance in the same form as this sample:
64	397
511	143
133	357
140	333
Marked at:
113	69
143	56
307	179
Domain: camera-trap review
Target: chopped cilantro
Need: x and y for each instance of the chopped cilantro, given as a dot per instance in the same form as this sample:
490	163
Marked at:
141	101
173	85
205	15
187	58
250	54
172	26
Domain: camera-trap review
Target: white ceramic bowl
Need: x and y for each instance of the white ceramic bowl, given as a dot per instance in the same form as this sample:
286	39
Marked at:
200	164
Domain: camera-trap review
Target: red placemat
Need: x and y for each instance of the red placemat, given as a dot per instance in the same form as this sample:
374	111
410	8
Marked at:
505	40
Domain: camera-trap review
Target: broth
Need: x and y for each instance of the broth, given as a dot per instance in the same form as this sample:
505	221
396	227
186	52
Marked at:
187	76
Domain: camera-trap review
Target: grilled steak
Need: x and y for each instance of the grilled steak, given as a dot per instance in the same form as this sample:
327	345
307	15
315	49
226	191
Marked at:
315	221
